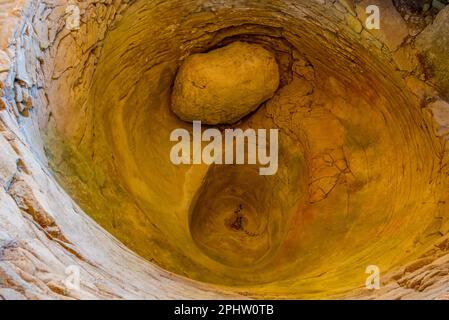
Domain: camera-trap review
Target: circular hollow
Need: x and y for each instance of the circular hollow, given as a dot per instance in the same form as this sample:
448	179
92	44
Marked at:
230	218
356	184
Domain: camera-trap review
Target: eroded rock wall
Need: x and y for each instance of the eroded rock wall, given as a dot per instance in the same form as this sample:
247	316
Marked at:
361	181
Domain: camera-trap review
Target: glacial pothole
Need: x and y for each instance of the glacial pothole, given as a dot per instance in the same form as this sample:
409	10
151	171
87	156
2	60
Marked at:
351	143
361	176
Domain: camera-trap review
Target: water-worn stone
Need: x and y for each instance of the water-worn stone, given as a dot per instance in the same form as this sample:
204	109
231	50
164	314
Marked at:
224	85
353	140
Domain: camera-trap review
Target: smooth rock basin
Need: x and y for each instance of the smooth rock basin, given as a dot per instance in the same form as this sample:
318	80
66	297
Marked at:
86	115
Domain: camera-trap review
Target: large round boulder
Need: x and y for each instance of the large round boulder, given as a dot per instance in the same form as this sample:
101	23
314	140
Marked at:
224	85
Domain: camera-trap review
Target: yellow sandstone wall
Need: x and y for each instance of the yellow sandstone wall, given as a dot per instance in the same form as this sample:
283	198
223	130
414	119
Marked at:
85	124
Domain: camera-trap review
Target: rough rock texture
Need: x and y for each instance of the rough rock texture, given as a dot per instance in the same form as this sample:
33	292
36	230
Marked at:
224	85
433	43
84	128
